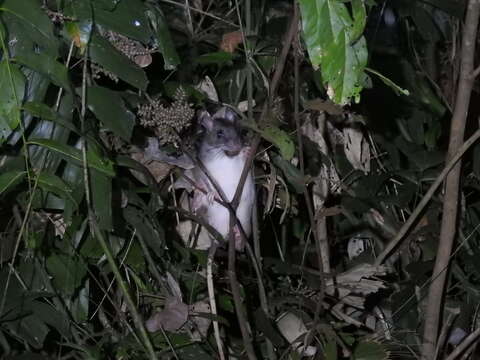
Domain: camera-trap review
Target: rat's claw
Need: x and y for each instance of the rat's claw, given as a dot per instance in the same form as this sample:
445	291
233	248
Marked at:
211	197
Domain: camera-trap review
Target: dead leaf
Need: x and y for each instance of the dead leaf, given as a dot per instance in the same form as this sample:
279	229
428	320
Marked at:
357	149
208	87
230	41
201	323
324	105
293	328
171	318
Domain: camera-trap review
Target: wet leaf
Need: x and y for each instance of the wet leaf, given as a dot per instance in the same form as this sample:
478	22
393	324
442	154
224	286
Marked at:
42	111
67	272
10	179
48	66
110	109
74	155
105	54
280	139
12	92
335	45
163	38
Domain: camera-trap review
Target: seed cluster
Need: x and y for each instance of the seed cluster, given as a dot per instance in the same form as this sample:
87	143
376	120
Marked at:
131	48
98	70
167	121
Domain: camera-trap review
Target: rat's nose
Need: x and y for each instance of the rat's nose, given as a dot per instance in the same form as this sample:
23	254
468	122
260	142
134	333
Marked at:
232	153
234	148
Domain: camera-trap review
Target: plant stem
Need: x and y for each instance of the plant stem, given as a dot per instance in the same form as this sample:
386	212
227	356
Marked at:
450	203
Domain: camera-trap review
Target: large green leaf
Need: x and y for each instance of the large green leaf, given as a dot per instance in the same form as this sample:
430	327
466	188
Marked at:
292	174
67	272
334	44
10	179
52	183
12	91
220	58
163	38
37	88
42	111
127	18
48	66
370	350
30	329
144	228
280	139
31	27
104	53
109	108
101	186
74	155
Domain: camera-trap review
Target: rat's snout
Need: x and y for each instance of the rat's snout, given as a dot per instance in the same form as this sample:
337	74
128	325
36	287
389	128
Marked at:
233	148
232	153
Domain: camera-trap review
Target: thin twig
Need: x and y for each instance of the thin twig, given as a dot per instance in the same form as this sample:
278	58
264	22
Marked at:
213	304
467	342
426	198
201	12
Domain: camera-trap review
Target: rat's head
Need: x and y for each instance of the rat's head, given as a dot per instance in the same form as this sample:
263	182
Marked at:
220	132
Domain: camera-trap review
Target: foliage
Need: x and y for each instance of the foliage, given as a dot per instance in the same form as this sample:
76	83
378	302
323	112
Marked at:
88	241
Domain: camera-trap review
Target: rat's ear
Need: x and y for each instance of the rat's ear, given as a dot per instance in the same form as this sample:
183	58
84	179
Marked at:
226	113
205	119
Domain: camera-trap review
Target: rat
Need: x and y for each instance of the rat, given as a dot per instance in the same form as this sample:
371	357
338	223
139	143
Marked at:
222	151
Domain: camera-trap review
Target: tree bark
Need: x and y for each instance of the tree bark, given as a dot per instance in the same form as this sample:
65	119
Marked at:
450	204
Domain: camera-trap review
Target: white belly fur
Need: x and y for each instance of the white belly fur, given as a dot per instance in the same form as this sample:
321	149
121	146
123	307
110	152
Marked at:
227	171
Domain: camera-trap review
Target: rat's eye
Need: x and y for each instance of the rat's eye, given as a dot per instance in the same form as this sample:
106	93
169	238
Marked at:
220	134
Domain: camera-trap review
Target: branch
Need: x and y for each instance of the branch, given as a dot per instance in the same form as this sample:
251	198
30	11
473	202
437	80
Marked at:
395	242
452	184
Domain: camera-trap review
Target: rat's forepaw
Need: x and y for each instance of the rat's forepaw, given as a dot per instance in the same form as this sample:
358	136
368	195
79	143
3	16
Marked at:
211	195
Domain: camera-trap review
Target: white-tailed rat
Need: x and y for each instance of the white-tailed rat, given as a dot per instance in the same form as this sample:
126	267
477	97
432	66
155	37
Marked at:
222	151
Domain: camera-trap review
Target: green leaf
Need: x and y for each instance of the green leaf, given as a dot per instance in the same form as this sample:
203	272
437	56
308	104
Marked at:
280	139
397	89
48	66
142	224
106	4
330	350
30	329
127	18
292	174
104	53
32	27
163	38
370	350
12	92
334	44
52	183
10	179
74	155
67	272
51	316
44	112
220	58
135	258
102	199
110	109
359	19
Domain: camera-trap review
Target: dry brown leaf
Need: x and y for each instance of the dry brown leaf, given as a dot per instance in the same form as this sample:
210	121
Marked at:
171	318
324	105
230	41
